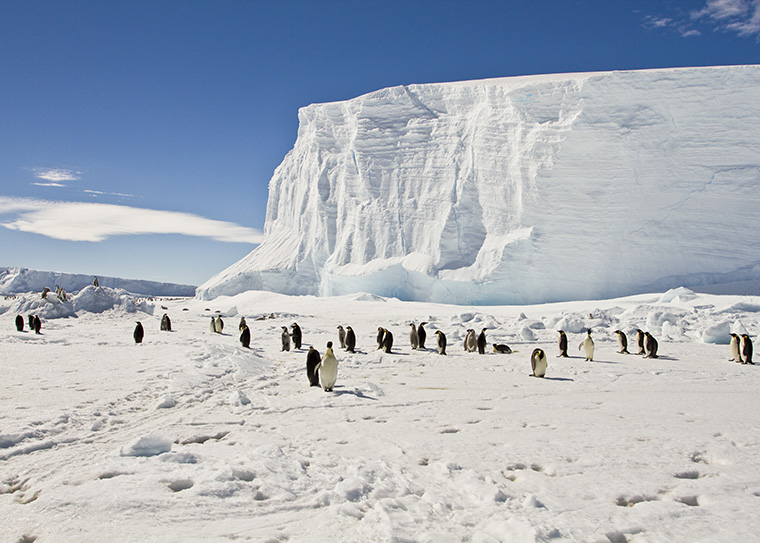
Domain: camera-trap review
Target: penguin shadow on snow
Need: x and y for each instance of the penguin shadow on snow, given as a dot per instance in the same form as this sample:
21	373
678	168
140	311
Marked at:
338	391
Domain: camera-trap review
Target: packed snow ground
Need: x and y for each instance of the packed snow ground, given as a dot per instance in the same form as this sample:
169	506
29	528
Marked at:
190	437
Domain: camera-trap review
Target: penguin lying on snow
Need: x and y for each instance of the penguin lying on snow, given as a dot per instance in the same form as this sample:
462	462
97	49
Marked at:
501	348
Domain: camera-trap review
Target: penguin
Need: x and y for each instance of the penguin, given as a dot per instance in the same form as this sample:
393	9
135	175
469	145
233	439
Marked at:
734	347
285	336
328	369
242	324
746	350
213	325
387	341
482	341
342	337
166	323
588	345
650	345
380	337
31	322
562	343
19	323
350	340
414	339
622	342
538	363
95	282
37	325
219	324
640	341
501	348
245	337
441	342
312	361
139	333
470	341
296	335
421	336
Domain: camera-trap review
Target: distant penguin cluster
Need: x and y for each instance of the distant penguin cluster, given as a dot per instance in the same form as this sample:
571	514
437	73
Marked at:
35	324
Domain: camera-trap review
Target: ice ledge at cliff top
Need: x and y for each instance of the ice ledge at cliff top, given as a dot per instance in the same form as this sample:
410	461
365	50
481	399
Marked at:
518	190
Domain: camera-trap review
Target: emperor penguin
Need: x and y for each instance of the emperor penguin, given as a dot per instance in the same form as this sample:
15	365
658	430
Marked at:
421	336
166	324
414	338
19	323
734	346
387	341
312	361
470	341
562	343
213	325
95	282
328	369
296	335
139	333
441	342
219	324
622	342
640	341
650	345
245	337
242	324
285	336
746	350
538	363
350	340
588	346
482	341
380	337
37	324
342	337
31	321
501	348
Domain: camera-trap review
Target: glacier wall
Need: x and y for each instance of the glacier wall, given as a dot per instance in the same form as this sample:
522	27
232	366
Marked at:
517	190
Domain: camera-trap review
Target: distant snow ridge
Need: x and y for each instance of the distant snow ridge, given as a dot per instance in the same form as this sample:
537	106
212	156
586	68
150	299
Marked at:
517	190
21	280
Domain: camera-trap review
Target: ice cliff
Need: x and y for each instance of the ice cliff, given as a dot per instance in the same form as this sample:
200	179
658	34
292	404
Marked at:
518	190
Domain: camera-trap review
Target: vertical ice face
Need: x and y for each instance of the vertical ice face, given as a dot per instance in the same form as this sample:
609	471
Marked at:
516	190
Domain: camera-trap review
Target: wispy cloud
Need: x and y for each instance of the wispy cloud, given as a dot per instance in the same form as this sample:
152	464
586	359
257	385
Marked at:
739	16
86	221
101	193
55	176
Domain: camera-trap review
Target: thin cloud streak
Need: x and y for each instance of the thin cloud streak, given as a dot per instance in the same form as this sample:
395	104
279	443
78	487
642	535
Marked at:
85	221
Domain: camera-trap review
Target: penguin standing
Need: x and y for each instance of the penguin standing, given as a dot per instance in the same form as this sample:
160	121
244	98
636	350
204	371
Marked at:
734	347
242	324
562	343
380	337
219	325
139	333
341	337
538	363
19	323
387	341
328	369
622	342
31	322
588	346
285	336
245	337
746	350
421	336
213	325
166	324
482	341
296	335
441	342
414	338
37	324
640	341
470	341
350	340
650	345
501	348
312	361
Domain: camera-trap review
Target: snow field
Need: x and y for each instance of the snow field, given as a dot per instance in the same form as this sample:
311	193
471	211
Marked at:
190	437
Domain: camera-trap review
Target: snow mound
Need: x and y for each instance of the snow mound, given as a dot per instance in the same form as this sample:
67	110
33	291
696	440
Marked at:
148	445
517	190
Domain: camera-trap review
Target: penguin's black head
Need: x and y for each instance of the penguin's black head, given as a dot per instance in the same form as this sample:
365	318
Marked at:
329	344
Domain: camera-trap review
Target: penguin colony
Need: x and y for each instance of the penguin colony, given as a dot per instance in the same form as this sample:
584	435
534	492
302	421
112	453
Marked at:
323	370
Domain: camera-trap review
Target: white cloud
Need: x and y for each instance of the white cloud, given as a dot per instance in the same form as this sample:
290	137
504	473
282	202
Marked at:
84	221
739	16
56	175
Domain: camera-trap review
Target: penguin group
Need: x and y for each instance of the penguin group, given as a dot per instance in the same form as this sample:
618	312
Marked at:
741	349
35	324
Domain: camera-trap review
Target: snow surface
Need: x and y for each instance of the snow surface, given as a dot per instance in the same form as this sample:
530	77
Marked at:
517	190
190	437
20	280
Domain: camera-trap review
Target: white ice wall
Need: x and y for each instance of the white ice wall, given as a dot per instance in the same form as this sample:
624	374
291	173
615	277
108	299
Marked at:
518	190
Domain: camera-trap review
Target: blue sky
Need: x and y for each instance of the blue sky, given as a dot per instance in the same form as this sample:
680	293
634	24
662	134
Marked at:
137	138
